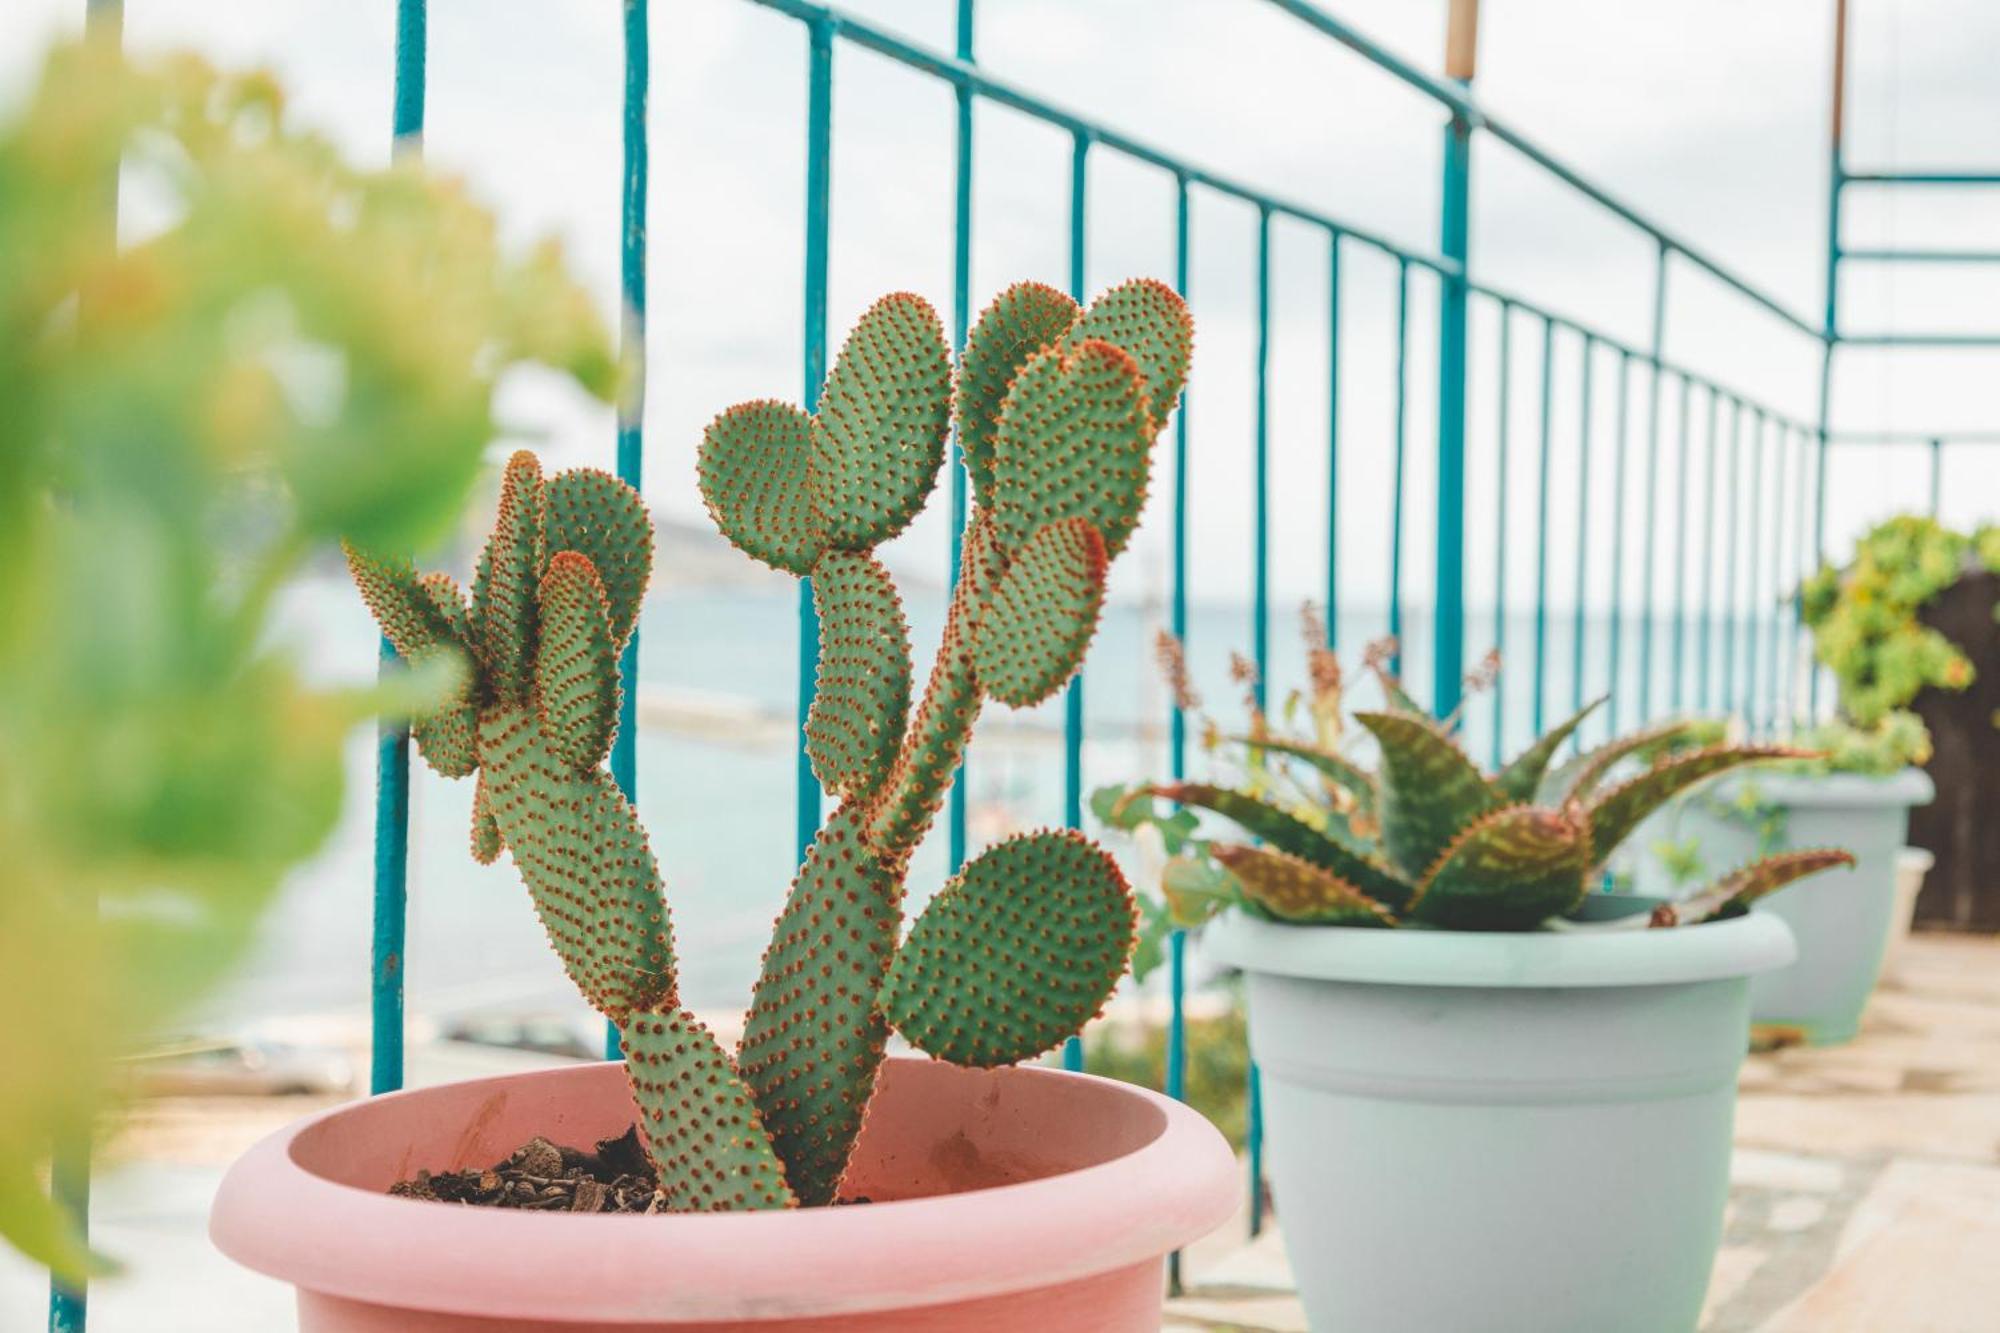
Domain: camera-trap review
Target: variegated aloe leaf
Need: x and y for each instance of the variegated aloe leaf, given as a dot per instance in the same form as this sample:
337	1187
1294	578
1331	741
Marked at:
1522	778
1288	833
1578	779
1429	789
1337	768
1295	890
1511	870
1732	894
1617	812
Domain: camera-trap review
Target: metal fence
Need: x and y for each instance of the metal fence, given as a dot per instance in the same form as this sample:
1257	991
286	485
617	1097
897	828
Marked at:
1718	634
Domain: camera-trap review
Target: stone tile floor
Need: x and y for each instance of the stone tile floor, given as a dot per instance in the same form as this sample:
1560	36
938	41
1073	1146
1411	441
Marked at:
1866	1183
1866	1199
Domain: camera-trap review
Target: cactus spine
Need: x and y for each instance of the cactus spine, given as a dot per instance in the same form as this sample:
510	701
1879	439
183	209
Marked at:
1057	409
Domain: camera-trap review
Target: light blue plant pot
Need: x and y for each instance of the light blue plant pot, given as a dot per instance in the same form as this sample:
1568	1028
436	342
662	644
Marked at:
1841	918
1513	1133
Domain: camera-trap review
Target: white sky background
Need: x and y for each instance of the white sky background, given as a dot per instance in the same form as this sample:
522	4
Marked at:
1709	116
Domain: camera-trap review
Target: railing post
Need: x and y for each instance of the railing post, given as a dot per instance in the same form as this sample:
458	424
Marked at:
819	201
961	320
1937	478
1079	187
1836	180
1448	603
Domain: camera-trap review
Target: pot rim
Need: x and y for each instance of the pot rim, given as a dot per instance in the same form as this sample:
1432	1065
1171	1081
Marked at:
1171	1190
1755	942
1910	787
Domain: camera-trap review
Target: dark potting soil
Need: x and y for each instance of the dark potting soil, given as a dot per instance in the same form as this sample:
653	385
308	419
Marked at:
549	1177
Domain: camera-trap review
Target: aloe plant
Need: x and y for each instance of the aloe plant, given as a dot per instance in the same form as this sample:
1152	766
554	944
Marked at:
1056	410
1429	839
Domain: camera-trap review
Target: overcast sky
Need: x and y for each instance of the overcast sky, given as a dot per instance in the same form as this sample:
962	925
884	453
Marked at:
1708	115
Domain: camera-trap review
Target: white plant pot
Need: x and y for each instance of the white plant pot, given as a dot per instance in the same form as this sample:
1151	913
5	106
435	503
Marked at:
1912	864
1509	1133
1841	918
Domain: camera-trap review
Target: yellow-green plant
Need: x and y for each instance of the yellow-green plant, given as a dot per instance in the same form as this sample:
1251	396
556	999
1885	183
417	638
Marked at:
300	350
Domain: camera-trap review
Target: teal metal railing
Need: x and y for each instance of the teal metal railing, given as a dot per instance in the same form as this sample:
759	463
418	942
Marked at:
1738	613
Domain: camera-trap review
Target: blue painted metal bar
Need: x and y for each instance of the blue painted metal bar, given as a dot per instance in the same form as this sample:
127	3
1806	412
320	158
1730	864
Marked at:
1851	256
1680	555
392	748
1079	185
1756	507
1577	630
1650	488
1951	437
1260	630
1333	441
1937	477
1730	565
1396	482
961	321
1777	597
1448	599
1838	178
1704	679
1614	684
1503	431
819	206
1969	177
632	412
1177	1046
1535	709
1920	340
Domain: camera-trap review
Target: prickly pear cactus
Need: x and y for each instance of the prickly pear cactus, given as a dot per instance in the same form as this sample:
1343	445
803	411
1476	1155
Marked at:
1057	410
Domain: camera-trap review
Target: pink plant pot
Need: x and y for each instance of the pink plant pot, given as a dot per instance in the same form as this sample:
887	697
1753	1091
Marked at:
1022	1198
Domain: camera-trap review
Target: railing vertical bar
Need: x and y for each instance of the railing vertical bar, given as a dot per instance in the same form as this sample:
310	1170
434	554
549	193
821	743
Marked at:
632	411
1577	632
1676	676
1333	440
1734	570
1535	710
1079	184
1651	485
1618	540
1260	626
1454	241
1502	432
392	752
1704	675
1751	628
819	203
1396	483
1801	637
1177	1045
1937	478
1794	622
961	321
1775	601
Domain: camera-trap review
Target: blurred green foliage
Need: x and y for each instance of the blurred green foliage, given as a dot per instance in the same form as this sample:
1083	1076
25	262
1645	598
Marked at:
296	351
1864	617
1218	1067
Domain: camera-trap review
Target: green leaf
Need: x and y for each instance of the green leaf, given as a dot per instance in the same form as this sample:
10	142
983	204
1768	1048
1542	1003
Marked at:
699	1123
1330	764
755	469
878	434
1295	890
1522	778
1156	927
1732	894
1015	954
1511	870
1197	889
1617	812
1288	833
1033	634
1578	779
862	698
1429	790
1022	320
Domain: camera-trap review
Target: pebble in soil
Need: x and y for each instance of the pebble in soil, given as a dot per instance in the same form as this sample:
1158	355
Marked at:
549	1177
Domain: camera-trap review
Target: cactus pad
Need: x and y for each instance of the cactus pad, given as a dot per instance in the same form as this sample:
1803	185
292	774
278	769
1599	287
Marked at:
755	471
1148	320
1509	870
863	695
814	1039
503	591
448	608
878	436
1617	812
1522	778
1015	954
579	847
398	600
486	841
576	664
448	735
700	1125
1288	833
1021	321
1074	442
1042	615
1294	890
1429	789
601	518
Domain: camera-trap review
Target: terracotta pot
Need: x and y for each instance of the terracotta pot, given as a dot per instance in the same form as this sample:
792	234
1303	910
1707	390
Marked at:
1022	1198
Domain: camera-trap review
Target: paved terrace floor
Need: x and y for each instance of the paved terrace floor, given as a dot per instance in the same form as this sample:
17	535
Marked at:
1866	1198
